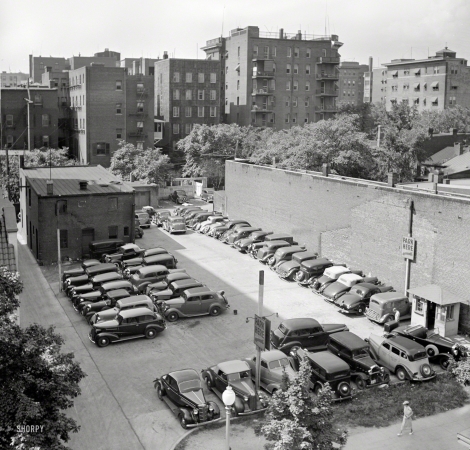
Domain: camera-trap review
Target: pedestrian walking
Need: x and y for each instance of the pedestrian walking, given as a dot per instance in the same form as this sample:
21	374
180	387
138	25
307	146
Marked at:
397	315
407	420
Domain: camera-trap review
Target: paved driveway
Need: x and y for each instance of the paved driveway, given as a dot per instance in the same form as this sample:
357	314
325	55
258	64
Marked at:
118	408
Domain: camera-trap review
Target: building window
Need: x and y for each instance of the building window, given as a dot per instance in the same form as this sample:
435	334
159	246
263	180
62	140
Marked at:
9	120
45	141
266	52
435	86
213	94
294	102
200	111
187	128
112	203
140	107
189	94
176	94
307	102
176	128
213	77
419	307
140	145
296	85
118	108
118	85
188	111
307	117
274	51
238	85
213	111
118	133
239	52
425	86
453	88
406	87
140	88
289	52
255	50
436	70
288	86
64	238
81	203
9	141
176	77
189	77
307	69
112	232
452	101
45	120
287	101
272	84
288	68
126	232
287	119
406	72
140	127
308	53
200	94
200	77
294	118
101	148
307	85
176	111
37	99
296	52
296	68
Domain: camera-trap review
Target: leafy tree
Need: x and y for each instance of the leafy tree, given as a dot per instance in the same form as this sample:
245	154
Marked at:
297	420
37	381
124	159
457	117
36	158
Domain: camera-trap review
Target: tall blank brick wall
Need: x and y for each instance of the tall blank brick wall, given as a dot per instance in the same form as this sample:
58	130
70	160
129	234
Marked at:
359	223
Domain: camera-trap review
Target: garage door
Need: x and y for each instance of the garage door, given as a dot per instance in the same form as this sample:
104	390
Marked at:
142	198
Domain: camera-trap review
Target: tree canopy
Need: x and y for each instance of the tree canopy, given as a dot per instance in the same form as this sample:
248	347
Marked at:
37	381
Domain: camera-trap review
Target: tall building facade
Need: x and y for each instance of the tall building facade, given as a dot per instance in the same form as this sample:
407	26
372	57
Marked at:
108	106
13	79
187	92
351	82
277	80
436	83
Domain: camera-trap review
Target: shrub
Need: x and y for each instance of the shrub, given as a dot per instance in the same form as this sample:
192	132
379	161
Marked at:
461	371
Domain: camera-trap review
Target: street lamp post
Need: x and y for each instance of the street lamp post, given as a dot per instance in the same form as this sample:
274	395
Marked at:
228	397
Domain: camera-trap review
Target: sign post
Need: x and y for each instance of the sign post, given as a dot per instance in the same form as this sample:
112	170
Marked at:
260	336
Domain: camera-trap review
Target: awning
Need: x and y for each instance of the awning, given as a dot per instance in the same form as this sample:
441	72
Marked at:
417	71
425	85
435	294
416	85
434	99
238	67
395	73
435	84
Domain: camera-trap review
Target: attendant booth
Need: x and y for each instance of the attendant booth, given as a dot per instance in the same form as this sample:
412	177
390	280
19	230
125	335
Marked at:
436	309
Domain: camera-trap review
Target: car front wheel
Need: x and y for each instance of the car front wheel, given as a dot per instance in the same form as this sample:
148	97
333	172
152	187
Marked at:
361	308
208	382
183	421
151	333
360	383
172	317
214	311
103	341
444	362
160	392
401	373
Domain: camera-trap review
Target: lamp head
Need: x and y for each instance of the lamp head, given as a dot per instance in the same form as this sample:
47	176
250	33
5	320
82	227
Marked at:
228	396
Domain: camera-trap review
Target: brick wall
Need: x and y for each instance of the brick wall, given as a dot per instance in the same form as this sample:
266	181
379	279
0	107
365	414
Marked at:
359	223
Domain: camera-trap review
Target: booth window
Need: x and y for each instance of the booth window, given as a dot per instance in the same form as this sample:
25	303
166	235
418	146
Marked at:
419	307
446	313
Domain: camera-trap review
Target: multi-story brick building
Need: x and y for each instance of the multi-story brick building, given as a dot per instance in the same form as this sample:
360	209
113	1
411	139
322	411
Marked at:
108	106
83	203
436	83
13	79
277	80
139	66
368	82
351	82
187	92
43	114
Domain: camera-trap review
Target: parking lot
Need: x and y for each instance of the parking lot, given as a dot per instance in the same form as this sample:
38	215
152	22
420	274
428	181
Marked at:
119	407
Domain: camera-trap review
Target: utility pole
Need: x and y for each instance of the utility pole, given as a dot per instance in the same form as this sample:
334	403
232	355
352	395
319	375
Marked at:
260	314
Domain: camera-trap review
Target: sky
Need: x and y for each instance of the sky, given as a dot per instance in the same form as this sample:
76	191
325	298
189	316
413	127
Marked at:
383	29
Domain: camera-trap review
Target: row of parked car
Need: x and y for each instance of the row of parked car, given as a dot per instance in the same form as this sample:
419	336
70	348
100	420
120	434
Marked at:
139	287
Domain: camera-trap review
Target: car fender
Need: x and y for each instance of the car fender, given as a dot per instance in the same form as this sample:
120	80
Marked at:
216	408
431	350
239	405
112	336
384	318
273	386
187	414
208	374
407	370
176	310
288	347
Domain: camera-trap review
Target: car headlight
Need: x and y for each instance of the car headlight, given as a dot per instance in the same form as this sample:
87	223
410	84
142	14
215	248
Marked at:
195	411
348	306
245	398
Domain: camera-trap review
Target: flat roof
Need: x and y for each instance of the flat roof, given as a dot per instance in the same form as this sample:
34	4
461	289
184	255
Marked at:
300	323
66	180
435	294
233	366
184	375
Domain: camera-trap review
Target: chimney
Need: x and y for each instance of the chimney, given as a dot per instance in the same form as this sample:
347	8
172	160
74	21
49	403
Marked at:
49	187
165	55
299	35
325	169
281	33
83	185
371	64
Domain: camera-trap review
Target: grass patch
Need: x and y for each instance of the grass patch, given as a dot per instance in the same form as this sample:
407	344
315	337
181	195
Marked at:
380	407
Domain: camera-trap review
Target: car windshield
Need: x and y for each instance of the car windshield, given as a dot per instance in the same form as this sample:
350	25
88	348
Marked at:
177	221
191	385
283	329
356	291
418	355
238	376
360	353
283	362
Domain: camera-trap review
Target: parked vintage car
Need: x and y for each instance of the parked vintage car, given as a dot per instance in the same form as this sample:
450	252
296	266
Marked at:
198	219
355	351
148	274
175	289
184	212
405	358
208	195
70	273
217	232
126	251
132	262
182	391
210	229
330	275
128	324
160	217
343	284
273	365
257	236
327	368
143	218
94	284
287	270
188	218
203	227
164	259
150	210
381	307
253	250
198	301
236	374
99	269
138	232
310	270
439	348
284	254
178	196
108	302
135	301
226	235
240	233
174	224
99	248
303	333
357	299
269	248
160	285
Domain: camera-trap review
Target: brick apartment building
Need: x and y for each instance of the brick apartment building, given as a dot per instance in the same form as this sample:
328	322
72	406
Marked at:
108	106
432	84
43	117
139	66
84	203
187	92
351	82
277	80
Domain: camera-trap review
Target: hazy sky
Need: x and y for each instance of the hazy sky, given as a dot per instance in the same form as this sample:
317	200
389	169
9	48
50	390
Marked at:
383	29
